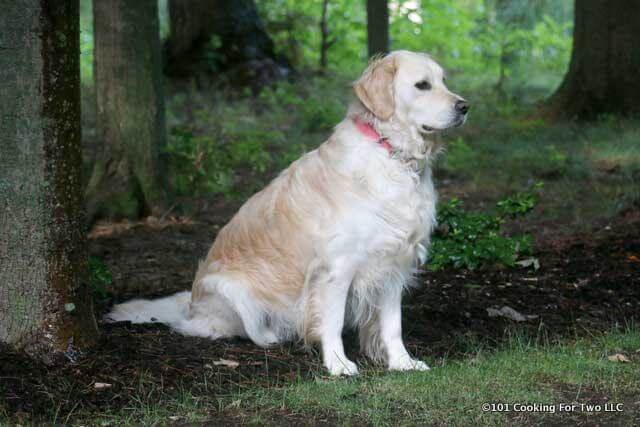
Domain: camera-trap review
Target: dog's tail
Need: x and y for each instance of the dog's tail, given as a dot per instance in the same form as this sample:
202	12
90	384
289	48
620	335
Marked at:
172	310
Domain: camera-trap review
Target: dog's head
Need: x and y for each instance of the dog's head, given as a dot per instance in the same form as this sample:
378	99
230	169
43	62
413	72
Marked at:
409	88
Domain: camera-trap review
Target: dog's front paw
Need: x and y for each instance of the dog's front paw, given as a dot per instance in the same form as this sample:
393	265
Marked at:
341	366
408	364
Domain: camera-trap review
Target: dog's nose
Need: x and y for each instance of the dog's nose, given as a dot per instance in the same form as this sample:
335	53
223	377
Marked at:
462	106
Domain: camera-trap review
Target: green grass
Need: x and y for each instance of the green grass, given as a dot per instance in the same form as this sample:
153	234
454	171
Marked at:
453	393
183	407
523	371
590	170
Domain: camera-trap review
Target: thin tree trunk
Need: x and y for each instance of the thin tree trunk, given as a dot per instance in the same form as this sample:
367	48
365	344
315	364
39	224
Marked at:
377	27
509	16
128	176
603	73
45	305
325	42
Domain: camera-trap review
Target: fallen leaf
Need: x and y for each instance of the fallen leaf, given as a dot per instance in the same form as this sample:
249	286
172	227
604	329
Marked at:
619	357
510	313
529	262
101	386
228	363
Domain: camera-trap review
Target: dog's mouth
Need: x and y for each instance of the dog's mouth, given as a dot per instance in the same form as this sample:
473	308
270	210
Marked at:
460	121
454	124
427	130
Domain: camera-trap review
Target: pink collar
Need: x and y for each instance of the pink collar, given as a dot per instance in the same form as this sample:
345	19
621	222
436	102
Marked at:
367	130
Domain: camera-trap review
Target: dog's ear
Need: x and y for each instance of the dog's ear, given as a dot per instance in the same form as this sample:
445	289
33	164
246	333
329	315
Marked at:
375	87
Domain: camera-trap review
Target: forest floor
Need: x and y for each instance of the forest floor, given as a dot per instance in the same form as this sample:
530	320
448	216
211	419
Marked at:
585	297
587	284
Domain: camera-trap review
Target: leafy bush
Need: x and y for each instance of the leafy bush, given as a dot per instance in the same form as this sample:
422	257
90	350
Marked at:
219	144
203	165
99	278
471	239
308	105
520	203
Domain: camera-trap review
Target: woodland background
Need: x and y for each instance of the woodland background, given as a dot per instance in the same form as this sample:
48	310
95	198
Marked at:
132	131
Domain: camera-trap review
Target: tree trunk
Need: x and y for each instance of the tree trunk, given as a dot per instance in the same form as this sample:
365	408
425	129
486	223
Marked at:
244	47
325	42
241	32
603	73
377	27
45	305
505	21
191	26
510	16
128	176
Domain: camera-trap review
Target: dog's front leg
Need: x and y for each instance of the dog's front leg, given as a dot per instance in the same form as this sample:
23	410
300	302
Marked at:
390	318
329	289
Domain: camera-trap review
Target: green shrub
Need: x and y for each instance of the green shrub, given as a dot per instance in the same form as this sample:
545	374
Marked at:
520	203
196	164
99	278
471	239
205	165
234	146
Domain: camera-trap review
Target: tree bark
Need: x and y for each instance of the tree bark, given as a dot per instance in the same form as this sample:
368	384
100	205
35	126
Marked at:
244	45
191	26
603	73
241	32
129	176
45	305
377	27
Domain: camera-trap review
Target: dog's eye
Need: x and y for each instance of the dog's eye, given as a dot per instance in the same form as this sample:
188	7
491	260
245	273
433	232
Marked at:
423	85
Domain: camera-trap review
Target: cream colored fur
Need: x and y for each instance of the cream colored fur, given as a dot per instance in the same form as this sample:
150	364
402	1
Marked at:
336	238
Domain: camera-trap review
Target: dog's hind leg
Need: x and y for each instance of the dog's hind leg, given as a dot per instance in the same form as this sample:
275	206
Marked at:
253	318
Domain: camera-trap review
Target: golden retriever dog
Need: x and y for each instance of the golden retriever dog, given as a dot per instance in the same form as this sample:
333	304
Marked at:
337	237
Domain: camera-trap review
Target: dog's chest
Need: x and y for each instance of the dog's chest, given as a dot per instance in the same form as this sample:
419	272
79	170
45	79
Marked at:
399	216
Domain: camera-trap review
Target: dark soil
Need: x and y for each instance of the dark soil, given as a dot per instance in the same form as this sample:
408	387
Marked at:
586	283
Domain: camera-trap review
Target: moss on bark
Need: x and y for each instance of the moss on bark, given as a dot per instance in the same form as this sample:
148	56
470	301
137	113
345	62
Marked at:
43	264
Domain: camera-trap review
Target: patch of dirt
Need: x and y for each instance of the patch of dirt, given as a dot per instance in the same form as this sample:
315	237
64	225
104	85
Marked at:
587	283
